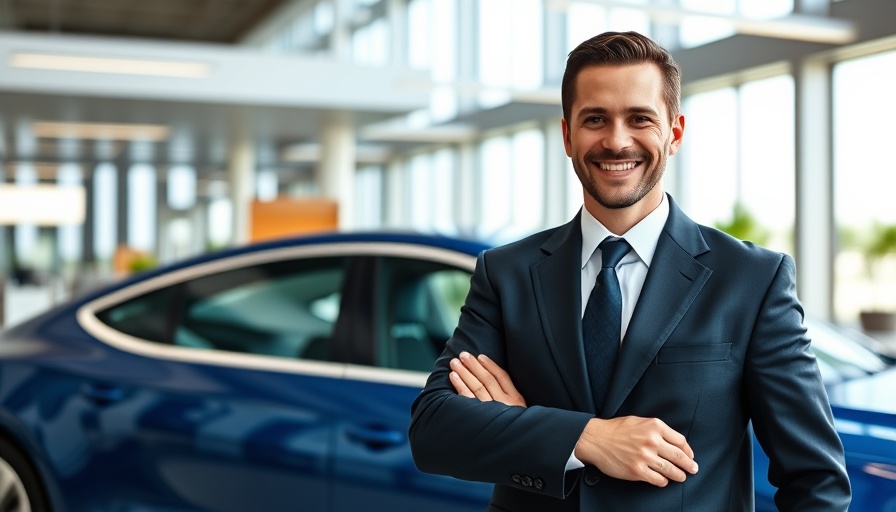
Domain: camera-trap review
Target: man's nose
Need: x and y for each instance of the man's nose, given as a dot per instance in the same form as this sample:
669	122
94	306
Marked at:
618	137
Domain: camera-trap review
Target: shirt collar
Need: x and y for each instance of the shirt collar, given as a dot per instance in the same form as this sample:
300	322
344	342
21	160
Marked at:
643	236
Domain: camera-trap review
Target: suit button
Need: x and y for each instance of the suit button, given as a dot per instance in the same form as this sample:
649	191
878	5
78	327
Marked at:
527	481
516	479
539	484
592	476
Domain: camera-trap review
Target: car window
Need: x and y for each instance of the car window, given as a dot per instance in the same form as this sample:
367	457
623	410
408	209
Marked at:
146	317
422	308
284	309
840	356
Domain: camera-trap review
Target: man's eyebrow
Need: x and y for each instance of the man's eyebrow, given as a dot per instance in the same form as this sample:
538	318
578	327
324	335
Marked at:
590	111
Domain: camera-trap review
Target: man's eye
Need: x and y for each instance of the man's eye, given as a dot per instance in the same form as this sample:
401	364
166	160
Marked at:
641	119
593	119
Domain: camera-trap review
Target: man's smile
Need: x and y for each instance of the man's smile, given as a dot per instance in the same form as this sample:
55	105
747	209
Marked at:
617	166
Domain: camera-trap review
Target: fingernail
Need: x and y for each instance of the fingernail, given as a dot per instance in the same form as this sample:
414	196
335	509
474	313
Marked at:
483	357
694	468
464	355
454	362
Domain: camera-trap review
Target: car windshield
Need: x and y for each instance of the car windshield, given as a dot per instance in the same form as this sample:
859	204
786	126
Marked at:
844	354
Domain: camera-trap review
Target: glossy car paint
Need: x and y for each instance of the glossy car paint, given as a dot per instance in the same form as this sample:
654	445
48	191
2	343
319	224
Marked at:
113	423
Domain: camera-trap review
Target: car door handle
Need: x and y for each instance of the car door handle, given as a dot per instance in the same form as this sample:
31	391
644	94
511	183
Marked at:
376	438
102	394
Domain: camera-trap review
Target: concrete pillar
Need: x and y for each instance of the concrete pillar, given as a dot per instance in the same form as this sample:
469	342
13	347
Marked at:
241	174
815	228
199	225
395	203
336	172
397	12
88	251
121	207
340	37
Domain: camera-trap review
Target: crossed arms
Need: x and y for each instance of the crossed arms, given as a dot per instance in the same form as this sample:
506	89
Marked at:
628	448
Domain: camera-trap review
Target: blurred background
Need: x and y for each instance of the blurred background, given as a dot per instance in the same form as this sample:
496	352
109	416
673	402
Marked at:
134	134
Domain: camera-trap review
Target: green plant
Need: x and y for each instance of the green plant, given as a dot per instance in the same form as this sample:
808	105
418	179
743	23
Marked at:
744	226
142	262
881	243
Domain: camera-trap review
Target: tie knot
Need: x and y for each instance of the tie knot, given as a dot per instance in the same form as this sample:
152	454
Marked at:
612	250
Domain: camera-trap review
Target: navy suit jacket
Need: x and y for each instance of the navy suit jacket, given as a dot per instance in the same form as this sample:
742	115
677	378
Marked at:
716	341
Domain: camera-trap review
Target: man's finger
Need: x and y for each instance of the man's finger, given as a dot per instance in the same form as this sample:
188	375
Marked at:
501	377
470	380
482	374
459	385
677	439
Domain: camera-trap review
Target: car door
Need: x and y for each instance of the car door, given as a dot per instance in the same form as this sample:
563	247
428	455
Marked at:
240	415
413	311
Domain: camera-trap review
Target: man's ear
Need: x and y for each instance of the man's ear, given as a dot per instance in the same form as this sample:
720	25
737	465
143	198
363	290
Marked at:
566	142
677	134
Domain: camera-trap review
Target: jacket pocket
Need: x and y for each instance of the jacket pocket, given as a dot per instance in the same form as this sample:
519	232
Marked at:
703	353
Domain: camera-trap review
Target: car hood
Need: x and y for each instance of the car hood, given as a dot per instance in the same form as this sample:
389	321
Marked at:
873	394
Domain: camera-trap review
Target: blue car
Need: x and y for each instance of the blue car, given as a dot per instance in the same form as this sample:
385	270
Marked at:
279	377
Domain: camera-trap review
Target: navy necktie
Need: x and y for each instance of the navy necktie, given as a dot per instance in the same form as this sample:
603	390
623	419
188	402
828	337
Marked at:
602	322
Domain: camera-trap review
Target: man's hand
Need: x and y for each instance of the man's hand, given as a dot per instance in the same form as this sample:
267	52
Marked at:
480	377
638	449
628	448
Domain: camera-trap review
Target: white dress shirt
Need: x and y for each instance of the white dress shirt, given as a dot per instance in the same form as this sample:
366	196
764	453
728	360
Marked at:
631	270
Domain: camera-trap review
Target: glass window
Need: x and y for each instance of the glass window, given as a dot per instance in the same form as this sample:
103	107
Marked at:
863	185
423	301
709	155
737	141
147	317
767	155
105	210
283	309
142	185
513	181
511	43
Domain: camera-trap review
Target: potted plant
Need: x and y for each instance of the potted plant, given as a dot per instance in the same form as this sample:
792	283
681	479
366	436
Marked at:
880	244
744	226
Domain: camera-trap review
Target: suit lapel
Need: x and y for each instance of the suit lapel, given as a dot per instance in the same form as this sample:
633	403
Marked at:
557	282
673	281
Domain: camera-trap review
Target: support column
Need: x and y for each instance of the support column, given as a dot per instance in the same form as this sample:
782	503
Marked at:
340	37
815	245
396	200
336	173
88	251
241	174
121	205
397	12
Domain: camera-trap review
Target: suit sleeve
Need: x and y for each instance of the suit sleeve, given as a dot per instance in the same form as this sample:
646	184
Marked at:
525	448
789	406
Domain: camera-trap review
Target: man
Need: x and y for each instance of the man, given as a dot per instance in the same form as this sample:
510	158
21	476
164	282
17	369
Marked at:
710	329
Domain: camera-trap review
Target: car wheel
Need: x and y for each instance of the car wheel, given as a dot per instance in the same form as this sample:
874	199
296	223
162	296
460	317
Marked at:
20	488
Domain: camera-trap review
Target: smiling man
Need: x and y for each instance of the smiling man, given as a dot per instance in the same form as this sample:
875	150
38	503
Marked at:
614	363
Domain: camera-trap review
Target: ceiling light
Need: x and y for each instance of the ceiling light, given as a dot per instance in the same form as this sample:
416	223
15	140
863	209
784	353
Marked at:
99	131
816	29
93	64
58	205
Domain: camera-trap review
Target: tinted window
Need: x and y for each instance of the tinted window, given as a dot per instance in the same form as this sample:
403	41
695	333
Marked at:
421	309
285	309
146	317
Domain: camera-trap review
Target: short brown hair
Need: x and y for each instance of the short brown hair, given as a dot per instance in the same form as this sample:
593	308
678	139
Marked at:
617	49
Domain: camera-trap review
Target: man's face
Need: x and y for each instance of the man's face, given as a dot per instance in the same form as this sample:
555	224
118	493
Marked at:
619	135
